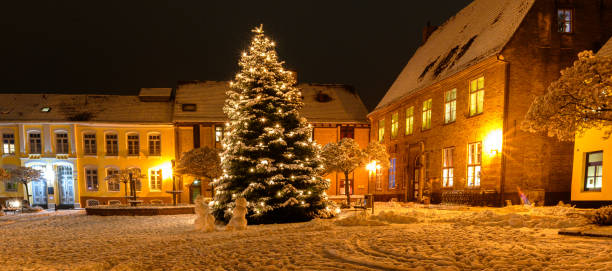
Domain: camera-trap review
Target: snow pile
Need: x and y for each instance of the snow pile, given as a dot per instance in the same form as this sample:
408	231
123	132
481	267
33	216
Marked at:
515	220
380	219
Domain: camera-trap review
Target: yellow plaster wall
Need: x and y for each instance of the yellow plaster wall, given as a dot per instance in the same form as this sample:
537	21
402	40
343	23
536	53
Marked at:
145	162
592	140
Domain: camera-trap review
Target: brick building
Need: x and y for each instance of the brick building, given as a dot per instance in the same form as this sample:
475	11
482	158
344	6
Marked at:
451	120
334	111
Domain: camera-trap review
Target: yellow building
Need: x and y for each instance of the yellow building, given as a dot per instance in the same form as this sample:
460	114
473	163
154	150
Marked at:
78	140
591	178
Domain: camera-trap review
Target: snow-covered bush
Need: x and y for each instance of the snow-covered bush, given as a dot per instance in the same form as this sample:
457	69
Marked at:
602	216
34	209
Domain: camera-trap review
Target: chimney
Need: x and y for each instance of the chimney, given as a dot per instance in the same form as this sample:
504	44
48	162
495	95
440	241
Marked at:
428	30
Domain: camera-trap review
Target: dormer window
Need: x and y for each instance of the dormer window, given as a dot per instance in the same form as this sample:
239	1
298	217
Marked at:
189	107
565	19
45	109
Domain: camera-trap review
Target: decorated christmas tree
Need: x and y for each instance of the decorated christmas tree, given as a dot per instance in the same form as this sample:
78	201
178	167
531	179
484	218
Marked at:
269	156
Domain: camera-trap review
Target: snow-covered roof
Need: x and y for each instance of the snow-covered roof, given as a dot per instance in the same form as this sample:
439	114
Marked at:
606	50
335	103
81	107
477	32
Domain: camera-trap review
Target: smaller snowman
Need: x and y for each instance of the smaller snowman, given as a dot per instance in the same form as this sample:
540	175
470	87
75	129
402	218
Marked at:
205	221
238	220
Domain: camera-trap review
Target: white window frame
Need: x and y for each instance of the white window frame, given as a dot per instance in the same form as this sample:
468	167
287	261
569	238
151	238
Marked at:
90	145
155	179
62	142
92	180
108	183
450	106
114	146
474	164
447	167
476	98
154	144
133	145
8	142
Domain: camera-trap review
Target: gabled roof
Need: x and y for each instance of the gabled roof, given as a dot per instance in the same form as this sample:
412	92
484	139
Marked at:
82	107
335	103
606	50
477	32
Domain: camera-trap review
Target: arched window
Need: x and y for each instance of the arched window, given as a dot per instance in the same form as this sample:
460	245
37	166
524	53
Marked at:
89	143
113	185
133	144
155	144
112	144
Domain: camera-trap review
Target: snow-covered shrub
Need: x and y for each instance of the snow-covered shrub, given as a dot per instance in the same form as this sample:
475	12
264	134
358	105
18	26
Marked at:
602	216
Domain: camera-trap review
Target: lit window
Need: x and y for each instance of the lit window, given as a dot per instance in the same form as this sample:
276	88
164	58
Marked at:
347	132
476	96
112	145
45	109
392	173
113	185
409	120
447	167
61	143
564	19
8	143
381	130
91	179
426	115
394	124
156	179
89	144
35	143
593	171
218	133
342	187
155	145
133	144
474	160
450	106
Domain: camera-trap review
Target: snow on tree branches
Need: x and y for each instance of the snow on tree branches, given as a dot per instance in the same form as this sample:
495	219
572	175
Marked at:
200	163
345	156
24	175
269	157
579	100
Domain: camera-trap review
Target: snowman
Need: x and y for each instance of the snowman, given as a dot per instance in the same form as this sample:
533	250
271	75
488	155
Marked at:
238	220
204	221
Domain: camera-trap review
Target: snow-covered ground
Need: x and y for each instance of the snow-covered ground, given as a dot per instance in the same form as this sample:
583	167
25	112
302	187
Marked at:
396	238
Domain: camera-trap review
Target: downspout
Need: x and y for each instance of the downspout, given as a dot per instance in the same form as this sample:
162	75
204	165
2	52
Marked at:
502	182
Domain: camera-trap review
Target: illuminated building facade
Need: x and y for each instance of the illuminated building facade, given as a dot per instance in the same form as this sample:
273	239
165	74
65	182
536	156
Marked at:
451	120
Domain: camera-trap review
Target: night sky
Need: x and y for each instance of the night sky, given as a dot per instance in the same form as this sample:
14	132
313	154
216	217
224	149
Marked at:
121	46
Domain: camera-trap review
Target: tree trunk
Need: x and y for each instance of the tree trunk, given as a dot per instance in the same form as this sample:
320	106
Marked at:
347	188
25	185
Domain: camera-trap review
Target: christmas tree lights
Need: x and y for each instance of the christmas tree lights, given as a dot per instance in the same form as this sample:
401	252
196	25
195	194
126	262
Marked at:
269	156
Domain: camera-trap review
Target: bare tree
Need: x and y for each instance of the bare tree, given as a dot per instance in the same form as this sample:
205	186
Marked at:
200	163
127	176
24	175
579	100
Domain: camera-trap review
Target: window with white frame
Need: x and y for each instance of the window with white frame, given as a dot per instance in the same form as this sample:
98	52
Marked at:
378	181
392	173
564	20
113	184
133	144
474	164
8	143
35	143
155	179
61	143
91	179
593	171
343	188
450	106
11	186
89	144
137	179
218	133
409	120
426	124
155	144
112	144
476	96
447	167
